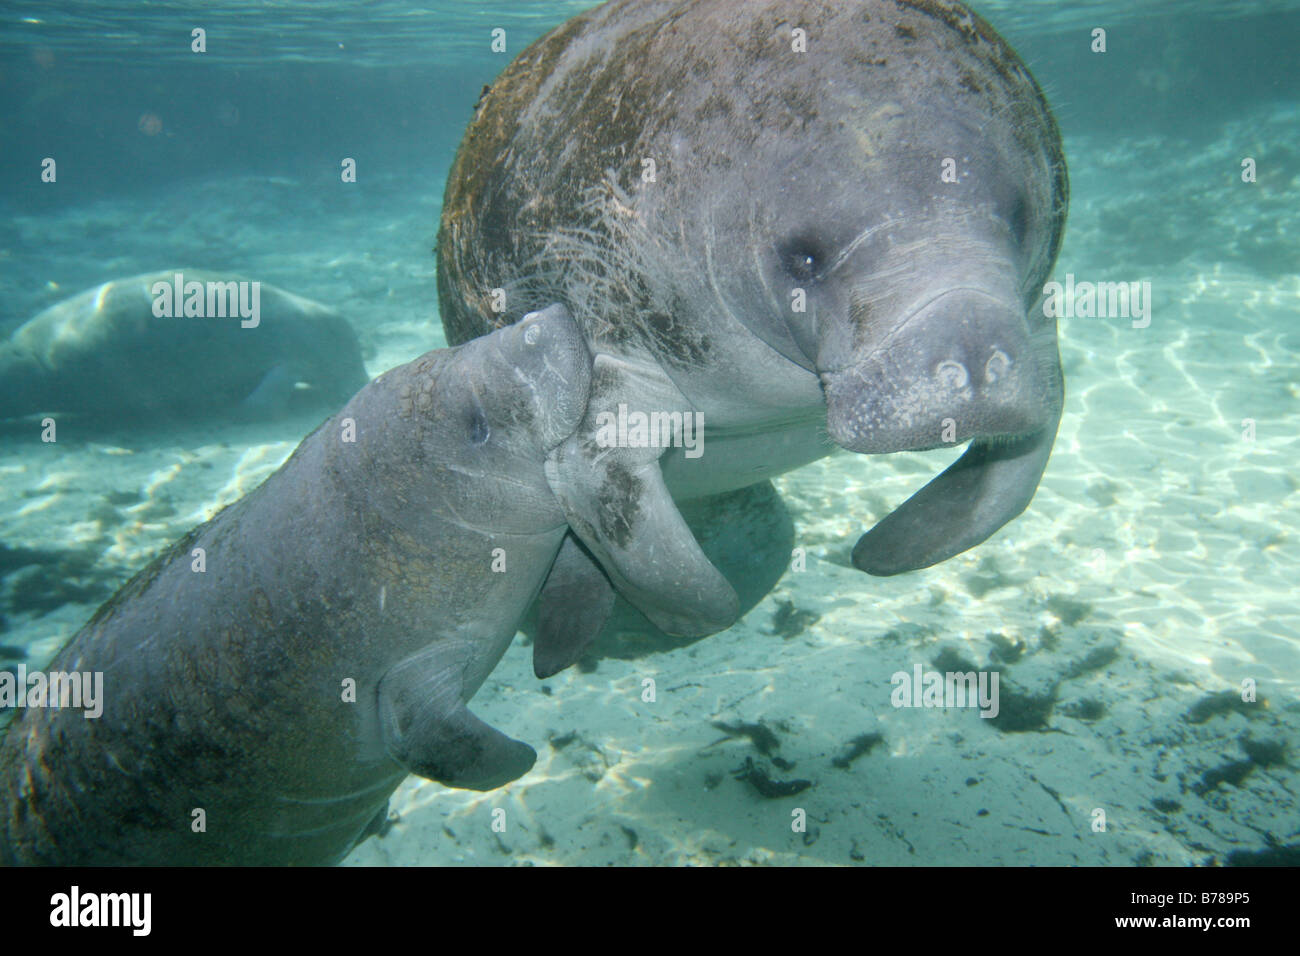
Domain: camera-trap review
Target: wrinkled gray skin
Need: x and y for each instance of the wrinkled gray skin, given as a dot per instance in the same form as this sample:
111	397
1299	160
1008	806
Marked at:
105	356
774	171
368	561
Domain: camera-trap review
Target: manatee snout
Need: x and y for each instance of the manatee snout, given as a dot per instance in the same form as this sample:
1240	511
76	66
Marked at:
961	367
964	366
545	354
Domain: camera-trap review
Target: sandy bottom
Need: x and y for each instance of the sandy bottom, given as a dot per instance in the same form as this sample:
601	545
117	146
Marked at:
1155	569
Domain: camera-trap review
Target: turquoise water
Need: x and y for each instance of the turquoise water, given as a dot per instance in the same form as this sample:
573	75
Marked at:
1153	574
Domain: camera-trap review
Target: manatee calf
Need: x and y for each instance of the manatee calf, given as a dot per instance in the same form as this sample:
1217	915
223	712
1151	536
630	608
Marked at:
108	354
805	221
349	609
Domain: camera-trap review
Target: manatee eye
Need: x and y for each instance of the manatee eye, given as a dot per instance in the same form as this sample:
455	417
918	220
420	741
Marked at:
801	258
479	432
803	265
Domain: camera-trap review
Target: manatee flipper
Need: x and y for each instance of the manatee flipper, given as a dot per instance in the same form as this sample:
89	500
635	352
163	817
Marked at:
991	483
616	501
573	607
428	729
273	394
747	534
377	826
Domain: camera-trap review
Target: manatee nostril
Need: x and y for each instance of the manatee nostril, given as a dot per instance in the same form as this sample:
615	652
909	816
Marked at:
952	374
479	430
531	334
998	365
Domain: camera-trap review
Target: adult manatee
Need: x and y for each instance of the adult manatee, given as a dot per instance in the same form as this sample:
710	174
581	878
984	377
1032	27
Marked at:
804	221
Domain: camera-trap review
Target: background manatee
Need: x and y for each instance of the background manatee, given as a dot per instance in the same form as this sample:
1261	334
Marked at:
105	356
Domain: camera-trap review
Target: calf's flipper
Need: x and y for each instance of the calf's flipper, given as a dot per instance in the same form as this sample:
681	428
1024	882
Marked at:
428	729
